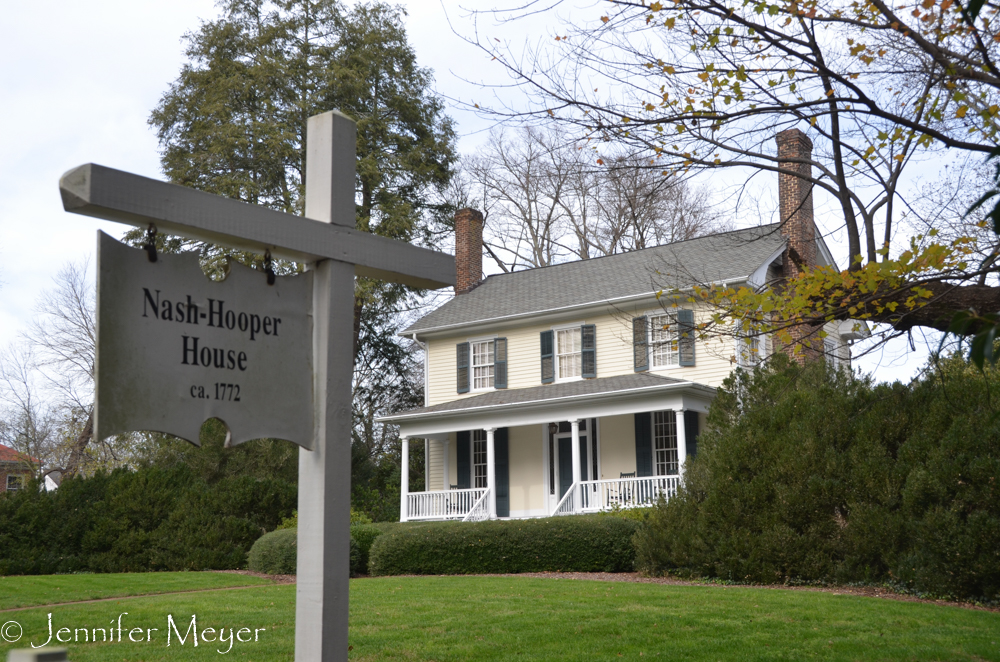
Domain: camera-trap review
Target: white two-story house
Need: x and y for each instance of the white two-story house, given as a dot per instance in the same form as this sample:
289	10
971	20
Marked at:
575	387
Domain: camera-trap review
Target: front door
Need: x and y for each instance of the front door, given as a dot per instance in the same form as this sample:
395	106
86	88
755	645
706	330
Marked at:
566	462
565	465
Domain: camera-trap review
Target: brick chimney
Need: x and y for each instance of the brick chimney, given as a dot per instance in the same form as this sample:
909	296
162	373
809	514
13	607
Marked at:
468	250
795	203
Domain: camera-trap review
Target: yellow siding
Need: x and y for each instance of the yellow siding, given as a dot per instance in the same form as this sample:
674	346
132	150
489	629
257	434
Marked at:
614	355
525	458
435	463
617	440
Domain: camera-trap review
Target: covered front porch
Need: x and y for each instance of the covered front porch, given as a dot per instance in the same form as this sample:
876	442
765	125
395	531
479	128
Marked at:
566	448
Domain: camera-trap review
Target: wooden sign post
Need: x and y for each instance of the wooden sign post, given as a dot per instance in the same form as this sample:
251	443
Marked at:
334	252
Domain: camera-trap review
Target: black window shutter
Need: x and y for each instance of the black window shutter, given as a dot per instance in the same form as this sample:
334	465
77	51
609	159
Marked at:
691	432
463	366
548	358
643	445
464	460
502	472
588	351
685	326
640	343
500	363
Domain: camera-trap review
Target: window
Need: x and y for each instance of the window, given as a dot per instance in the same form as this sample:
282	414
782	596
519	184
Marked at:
482	365
568	353
663	341
665	443
15	483
479	458
748	351
832	357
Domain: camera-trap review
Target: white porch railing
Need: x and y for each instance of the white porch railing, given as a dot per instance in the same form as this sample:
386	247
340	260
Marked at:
567	505
481	510
444	504
591	496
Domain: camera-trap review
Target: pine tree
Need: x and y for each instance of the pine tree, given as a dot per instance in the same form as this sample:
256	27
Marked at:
234	121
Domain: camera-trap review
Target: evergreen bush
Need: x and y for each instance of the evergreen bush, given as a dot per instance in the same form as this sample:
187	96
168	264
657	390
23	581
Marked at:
274	553
567	544
812	475
133	521
364	535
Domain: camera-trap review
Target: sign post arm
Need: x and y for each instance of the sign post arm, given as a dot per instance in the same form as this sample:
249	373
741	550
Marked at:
94	190
323	564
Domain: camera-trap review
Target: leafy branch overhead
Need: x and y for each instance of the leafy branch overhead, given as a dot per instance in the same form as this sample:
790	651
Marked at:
700	85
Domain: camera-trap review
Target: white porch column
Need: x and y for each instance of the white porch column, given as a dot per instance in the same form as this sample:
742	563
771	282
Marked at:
575	427
681	442
491	472
404	480
445	478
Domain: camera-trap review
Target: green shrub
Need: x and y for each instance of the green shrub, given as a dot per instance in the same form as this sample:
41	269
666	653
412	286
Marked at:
567	544
810	475
134	521
355	559
274	553
292	522
640	515
364	535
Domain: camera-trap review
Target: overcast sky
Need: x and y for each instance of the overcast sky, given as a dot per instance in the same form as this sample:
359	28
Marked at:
79	80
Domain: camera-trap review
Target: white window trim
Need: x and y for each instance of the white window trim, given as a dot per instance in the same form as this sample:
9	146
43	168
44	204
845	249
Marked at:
555	350
831	348
472	367
678	421
472	458
650	314
738	351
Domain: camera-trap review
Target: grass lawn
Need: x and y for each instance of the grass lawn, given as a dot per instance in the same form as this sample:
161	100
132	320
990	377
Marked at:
51	589
496	618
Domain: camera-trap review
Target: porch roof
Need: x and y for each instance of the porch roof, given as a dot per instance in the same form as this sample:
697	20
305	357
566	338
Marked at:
585	398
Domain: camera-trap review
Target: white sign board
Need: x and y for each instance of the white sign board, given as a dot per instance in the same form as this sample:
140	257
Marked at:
176	348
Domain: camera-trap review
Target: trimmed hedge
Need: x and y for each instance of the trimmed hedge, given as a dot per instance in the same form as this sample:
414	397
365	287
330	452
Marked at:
364	535
812	475
274	553
138	521
567	544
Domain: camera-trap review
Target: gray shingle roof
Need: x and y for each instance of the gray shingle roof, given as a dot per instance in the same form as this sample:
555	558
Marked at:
714	258
520	396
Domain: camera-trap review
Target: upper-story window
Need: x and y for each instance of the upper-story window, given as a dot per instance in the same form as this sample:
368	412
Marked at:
569	353
482	365
748	351
663	340
15	483
832	356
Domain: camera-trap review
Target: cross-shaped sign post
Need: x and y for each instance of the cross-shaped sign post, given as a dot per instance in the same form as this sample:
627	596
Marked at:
152	374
